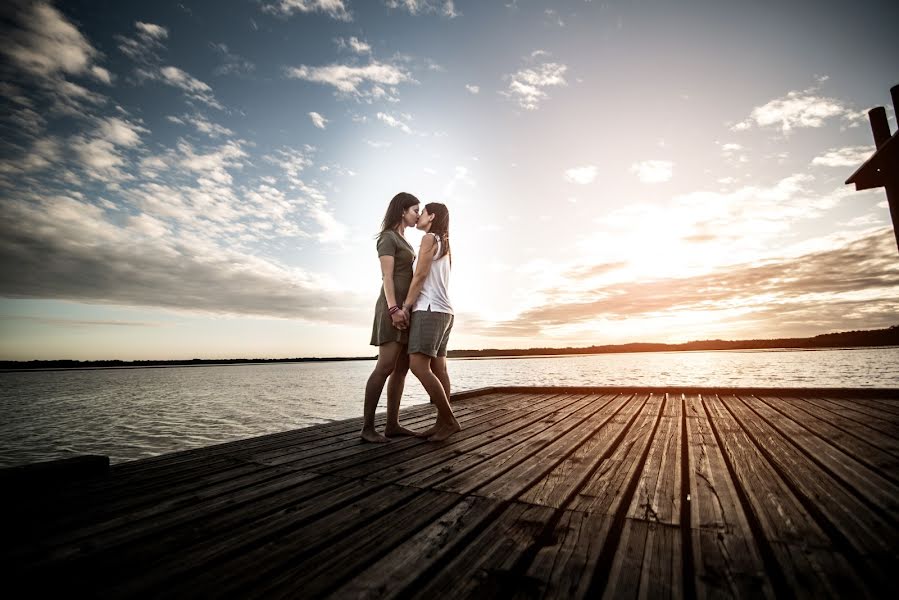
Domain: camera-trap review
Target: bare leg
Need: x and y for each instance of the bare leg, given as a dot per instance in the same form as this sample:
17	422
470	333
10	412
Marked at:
395	385
387	355
438	365
446	424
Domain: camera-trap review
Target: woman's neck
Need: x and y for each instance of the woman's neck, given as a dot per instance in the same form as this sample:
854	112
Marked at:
400	229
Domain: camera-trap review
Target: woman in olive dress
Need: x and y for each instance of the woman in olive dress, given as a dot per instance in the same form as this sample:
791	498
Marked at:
390	331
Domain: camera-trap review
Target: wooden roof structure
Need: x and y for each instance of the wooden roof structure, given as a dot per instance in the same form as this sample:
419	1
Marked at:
882	168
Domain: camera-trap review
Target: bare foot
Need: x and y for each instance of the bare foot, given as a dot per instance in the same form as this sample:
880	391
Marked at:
372	436
429	431
398	430
444	431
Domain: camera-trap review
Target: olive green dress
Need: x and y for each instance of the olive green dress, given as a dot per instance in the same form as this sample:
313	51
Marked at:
390	243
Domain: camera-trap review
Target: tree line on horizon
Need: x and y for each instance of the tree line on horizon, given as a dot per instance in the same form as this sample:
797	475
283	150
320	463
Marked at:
845	339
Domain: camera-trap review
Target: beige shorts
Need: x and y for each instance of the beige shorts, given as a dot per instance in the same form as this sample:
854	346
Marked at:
429	332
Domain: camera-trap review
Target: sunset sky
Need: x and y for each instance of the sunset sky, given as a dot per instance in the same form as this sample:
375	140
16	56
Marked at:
206	179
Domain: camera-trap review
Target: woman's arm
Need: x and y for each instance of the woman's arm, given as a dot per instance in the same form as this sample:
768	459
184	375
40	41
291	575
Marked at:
425	259
398	318
387	273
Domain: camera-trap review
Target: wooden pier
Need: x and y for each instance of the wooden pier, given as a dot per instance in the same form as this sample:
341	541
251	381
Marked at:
546	492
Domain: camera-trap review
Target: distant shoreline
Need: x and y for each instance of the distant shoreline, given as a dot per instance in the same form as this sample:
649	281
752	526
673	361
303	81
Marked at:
850	340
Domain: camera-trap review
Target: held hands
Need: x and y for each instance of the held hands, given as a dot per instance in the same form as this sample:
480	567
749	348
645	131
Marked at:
400	319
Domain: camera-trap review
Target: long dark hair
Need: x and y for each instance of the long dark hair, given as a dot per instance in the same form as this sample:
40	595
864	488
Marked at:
440	226
395	210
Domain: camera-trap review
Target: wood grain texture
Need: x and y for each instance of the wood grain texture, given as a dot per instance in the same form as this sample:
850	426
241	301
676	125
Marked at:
546	492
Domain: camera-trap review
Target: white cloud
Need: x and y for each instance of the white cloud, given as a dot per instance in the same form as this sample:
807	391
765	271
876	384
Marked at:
727	148
553	17
202	124
99	158
46	44
461	177
798	109
100	154
851	156
527	86
44	152
331	229
212	165
355	44
144	47
121	132
233	64
352	80
64	248
193	87
581	175
152	30
318	120
394	122
446	8
474	89
101	74
336	9
653	171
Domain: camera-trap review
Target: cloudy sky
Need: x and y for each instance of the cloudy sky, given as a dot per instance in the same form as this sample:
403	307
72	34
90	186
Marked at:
205	179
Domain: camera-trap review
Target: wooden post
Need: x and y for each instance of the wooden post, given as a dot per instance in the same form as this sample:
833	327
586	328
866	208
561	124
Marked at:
879	125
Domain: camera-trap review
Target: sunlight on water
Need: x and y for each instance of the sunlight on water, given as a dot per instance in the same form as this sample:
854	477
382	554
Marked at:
134	413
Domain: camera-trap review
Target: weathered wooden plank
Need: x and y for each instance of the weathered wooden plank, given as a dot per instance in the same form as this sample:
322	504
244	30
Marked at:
658	495
819	570
648	563
891	405
287	452
885	424
649	558
524	445
120	528
495	568
879	492
726	561
862	450
232	558
352	451
603	490
491	439
465	443
559	459
427	550
315	434
861	409
566	562
277	439
887	443
605	431
856	529
312	572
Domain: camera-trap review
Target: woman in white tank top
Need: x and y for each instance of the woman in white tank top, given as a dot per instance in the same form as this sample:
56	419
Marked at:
431	313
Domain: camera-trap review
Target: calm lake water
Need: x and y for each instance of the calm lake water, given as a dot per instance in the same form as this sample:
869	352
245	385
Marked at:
134	413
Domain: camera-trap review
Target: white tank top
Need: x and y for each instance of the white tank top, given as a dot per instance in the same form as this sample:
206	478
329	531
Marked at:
434	294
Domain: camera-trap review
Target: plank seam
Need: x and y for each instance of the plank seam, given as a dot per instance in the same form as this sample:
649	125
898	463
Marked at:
874	468
850	488
772	567
842	543
688	568
600	576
